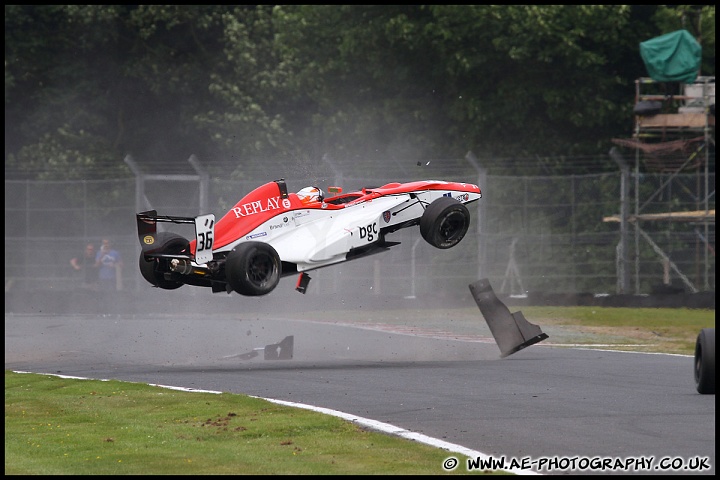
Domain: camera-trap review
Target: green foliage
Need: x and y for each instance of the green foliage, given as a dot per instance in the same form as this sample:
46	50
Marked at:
246	83
66	155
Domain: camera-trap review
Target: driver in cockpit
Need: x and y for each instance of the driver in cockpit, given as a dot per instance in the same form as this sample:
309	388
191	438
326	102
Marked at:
310	195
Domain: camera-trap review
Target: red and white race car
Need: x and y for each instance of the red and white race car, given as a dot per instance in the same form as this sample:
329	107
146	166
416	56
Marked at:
272	233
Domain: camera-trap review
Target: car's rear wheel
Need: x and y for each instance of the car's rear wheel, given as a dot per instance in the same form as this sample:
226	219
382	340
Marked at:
153	269
444	222
253	268
705	361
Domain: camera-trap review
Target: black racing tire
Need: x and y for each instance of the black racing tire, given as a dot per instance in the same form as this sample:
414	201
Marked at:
705	361
153	269
253	268
444	222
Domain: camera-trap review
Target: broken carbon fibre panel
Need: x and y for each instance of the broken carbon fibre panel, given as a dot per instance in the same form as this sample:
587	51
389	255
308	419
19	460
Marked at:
512	331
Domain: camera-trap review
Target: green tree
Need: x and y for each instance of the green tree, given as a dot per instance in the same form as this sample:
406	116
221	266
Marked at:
86	85
503	80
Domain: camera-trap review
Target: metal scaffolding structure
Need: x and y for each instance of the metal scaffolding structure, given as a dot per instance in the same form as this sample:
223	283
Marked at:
674	132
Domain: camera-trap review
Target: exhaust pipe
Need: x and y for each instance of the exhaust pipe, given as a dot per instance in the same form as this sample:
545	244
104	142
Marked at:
181	266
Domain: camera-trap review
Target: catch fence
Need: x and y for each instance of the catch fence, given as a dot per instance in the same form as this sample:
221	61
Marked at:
528	234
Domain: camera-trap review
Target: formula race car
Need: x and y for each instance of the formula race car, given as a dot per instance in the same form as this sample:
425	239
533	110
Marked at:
271	233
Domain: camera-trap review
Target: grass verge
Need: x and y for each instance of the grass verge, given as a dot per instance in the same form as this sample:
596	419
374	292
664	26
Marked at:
657	330
61	426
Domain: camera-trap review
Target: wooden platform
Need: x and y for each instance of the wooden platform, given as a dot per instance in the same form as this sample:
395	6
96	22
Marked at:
676	120
692	216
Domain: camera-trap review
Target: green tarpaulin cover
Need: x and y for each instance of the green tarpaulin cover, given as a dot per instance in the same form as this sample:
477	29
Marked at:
673	57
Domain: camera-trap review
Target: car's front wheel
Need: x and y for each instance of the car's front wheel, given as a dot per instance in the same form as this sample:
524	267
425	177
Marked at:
153	269
444	222
253	268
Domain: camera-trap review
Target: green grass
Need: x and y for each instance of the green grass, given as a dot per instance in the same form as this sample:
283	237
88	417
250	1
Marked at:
60	426
659	330
67	426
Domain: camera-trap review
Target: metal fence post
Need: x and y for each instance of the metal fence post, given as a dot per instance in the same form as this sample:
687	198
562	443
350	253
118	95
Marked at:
623	263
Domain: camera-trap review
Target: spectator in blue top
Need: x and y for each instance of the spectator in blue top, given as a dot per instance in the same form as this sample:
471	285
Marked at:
109	263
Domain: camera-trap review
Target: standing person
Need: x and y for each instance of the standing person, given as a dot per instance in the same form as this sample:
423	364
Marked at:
85	263
109	264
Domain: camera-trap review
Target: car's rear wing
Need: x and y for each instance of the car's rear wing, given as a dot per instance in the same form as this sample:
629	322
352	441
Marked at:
204	231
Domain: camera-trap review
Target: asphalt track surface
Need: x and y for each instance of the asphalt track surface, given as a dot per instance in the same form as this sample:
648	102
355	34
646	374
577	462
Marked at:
543	402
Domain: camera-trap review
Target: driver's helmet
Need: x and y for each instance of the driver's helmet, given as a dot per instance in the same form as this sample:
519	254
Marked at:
311	195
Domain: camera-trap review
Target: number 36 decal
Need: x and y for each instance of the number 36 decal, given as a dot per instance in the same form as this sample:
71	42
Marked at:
204	235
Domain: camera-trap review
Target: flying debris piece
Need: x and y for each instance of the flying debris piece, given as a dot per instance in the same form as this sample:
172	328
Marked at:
244	356
280	351
273	351
302	282
512	332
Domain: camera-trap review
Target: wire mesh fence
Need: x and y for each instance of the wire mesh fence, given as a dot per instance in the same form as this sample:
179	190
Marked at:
528	234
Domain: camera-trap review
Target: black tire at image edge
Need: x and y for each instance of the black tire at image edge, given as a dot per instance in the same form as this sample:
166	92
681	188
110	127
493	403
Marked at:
704	365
